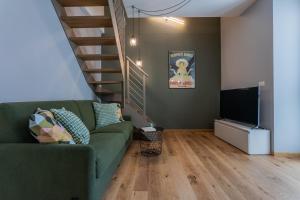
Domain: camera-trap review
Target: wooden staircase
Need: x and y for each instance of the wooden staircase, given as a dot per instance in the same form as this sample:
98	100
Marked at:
93	41
92	71
87	21
80	3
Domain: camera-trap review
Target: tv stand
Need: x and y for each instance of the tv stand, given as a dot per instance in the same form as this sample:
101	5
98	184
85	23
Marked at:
248	139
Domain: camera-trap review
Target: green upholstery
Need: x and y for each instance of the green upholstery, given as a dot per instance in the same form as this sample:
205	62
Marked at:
124	127
14	118
107	147
32	171
87	114
103	181
39	171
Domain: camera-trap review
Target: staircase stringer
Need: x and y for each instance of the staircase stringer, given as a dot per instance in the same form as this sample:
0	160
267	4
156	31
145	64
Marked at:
120	37
60	11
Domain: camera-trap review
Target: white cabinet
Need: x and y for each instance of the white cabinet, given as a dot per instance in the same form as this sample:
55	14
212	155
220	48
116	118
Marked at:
249	140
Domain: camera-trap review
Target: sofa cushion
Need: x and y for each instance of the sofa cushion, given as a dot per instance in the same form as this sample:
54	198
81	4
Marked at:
107	114
87	113
46	129
125	128
14	118
107	147
73	124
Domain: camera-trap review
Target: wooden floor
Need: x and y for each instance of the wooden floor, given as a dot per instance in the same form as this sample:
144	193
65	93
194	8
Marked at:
197	165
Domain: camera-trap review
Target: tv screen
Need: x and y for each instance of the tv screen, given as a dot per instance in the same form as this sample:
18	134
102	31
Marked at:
240	105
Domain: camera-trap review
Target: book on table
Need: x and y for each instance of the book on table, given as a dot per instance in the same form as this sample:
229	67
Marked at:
148	129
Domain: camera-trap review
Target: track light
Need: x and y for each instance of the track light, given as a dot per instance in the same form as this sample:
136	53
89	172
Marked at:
173	19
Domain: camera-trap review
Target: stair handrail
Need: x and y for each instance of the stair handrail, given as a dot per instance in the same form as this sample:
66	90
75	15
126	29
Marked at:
136	79
140	68
117	12
118	16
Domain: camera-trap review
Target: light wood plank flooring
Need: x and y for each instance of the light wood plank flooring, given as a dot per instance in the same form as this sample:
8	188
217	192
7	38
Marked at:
197	165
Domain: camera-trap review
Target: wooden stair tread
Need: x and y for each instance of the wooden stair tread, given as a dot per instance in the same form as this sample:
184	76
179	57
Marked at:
90	41
87	21
115	101
79	3
98	56
105	82
103	91
102	70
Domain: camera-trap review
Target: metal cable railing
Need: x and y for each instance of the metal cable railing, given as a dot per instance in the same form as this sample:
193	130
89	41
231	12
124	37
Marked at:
134	75
136	85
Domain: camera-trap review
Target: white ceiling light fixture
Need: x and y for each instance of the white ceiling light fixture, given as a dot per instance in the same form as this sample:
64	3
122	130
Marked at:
174	19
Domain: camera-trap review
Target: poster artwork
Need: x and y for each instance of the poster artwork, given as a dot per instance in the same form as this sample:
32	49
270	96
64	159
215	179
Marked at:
181	69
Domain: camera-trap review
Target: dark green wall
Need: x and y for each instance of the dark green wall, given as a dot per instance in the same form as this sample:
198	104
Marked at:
181	108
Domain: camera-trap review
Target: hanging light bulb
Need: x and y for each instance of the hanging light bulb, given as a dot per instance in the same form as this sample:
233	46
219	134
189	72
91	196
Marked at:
139	62
132	40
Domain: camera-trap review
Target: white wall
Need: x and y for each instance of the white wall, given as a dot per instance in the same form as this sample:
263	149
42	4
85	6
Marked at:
287	75
37	63
247	54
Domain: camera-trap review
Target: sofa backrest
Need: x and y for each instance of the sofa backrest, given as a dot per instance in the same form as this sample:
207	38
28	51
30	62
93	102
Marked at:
87	113
14	117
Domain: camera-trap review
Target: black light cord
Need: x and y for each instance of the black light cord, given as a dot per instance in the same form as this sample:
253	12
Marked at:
163	14
139	35
147	12
160	10
133	21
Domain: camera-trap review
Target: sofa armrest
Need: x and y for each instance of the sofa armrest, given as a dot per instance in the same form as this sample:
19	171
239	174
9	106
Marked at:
40	171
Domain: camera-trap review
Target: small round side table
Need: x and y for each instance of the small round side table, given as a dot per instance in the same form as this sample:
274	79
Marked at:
151	142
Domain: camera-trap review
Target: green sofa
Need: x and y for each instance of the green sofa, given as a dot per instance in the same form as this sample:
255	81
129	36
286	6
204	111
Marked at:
32	171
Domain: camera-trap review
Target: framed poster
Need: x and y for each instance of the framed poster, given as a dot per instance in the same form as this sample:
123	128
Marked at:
182	69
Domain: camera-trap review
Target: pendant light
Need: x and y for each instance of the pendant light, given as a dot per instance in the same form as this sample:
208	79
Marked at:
139	61
132	40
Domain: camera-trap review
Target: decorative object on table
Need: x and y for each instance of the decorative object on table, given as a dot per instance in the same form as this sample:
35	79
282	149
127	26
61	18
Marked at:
182	69
151	141
73	124
107	113
46	129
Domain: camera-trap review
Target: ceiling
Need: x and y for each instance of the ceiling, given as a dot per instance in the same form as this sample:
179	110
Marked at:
196	8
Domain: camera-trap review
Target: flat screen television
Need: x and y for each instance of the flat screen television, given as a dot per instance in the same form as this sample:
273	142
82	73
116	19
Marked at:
241	105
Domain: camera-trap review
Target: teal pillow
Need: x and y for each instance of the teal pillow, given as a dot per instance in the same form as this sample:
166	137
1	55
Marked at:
107	114
73	125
